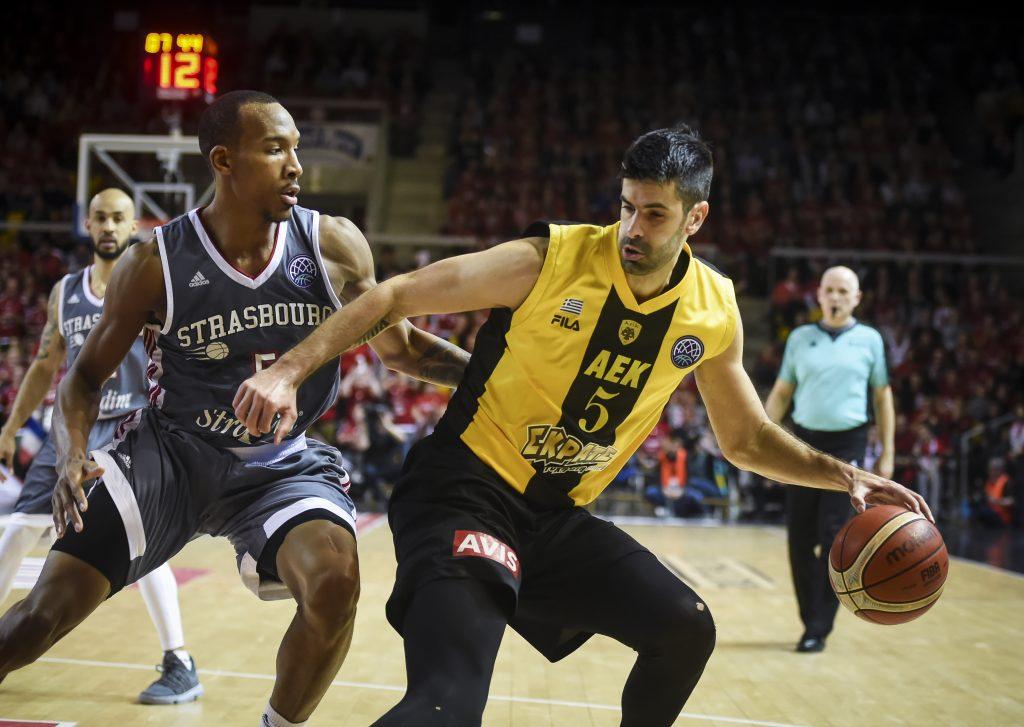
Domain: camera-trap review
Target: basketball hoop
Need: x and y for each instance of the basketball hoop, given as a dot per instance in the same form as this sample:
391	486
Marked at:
169	190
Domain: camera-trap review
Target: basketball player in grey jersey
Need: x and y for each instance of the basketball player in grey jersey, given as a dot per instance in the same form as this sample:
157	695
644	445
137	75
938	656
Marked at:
220	292
76	303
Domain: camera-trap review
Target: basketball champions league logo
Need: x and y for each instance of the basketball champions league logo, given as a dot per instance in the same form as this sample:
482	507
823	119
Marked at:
687	351
302	271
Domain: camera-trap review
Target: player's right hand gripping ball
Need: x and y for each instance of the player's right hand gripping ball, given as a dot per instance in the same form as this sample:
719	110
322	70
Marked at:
888	565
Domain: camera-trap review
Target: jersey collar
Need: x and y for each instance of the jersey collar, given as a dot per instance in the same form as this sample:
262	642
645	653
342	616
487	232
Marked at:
618	276
234	273
835	333
87	288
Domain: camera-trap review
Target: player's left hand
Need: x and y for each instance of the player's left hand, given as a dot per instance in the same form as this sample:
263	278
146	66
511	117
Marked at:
68	501
264	396
868	488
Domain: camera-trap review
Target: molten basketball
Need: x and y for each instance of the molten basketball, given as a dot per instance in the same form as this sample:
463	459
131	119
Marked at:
888	565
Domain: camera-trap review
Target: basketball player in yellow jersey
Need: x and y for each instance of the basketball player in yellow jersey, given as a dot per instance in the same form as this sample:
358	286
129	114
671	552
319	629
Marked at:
592	328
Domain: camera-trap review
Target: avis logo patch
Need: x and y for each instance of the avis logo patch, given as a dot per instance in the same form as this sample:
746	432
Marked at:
474	544
687	351
302	271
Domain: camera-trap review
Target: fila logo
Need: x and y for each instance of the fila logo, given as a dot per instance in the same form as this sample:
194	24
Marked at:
572	324
74	299
125	459
474	544
197	280
572	305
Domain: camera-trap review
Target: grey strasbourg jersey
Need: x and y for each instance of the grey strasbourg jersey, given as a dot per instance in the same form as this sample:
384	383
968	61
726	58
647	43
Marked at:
222	326
78	311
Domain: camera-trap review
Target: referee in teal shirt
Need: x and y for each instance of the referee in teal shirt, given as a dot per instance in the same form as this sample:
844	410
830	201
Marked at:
826	373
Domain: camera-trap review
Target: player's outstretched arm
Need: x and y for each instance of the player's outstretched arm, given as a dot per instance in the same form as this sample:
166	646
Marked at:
38	379
134	294
502	276
402	347
750	440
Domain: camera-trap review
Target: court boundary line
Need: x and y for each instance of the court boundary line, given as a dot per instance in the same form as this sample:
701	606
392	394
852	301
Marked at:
401	689
704	523
987	566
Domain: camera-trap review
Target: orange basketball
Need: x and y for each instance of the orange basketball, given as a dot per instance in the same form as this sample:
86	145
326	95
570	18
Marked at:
888	565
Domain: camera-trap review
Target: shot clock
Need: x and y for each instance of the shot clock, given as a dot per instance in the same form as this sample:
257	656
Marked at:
179	66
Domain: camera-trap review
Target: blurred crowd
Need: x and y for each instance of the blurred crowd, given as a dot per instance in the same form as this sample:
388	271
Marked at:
829	132
994	76
340	64
853	155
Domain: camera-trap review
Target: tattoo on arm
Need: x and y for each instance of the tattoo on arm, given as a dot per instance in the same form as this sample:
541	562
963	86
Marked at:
377	328
443	364
50	329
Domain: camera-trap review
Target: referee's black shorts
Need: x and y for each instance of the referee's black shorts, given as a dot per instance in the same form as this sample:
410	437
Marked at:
452	516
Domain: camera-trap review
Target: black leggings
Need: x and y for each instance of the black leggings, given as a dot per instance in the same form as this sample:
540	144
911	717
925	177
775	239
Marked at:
453	628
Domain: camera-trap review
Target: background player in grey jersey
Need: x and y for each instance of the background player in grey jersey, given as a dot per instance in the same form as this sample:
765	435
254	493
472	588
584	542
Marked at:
76	302
170	476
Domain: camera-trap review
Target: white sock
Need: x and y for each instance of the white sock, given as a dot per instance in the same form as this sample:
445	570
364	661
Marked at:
184	657
273	719
160	592
16	542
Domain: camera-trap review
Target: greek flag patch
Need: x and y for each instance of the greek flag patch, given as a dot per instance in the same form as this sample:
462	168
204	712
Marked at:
573	305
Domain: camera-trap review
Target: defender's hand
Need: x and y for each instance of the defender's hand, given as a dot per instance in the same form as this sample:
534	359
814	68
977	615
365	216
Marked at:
7	447
69	495
868	488
264	396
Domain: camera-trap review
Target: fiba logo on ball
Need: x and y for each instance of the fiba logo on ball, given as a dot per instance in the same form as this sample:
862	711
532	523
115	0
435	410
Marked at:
687	351
217	350
302	271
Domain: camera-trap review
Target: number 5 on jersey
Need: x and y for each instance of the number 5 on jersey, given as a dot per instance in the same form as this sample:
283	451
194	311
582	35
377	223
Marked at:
261	361
602	410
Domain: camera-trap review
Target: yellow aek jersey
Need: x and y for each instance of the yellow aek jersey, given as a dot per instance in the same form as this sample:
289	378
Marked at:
560	392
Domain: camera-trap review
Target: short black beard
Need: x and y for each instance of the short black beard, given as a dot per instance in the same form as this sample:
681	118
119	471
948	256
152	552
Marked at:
648	266
104	255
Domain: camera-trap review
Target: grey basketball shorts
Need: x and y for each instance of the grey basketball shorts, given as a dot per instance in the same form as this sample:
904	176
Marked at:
170	486
34	503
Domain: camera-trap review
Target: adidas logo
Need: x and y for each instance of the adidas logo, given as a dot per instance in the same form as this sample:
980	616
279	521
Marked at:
197	280
125	459
74	299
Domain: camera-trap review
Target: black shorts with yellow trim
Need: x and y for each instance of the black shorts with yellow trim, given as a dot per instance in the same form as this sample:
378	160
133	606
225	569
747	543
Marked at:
452	516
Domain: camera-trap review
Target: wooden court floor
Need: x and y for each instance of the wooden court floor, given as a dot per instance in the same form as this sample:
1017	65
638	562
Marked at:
960	664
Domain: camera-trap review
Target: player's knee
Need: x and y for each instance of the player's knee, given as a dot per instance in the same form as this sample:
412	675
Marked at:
330	597
689	628
35	621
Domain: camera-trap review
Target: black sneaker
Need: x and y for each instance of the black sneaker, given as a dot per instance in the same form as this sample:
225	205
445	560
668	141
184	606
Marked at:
810	644
176	684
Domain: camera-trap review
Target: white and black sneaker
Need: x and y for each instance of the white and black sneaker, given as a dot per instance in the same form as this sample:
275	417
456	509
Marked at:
177	683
